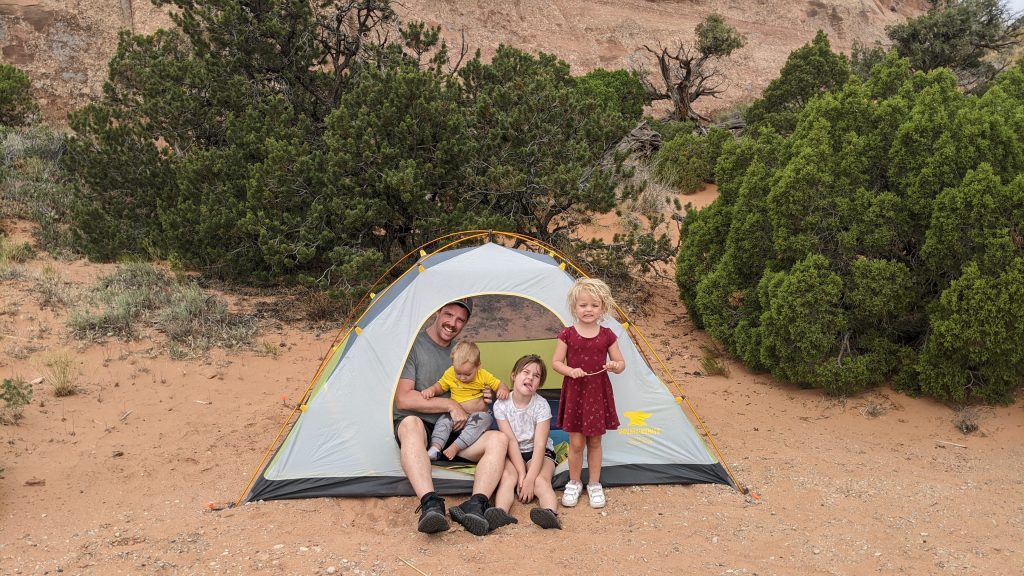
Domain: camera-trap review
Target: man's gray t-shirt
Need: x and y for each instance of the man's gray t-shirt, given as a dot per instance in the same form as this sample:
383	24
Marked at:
425	366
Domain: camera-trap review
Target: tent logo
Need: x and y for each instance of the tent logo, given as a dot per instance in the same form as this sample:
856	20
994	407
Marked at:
637	418
637	427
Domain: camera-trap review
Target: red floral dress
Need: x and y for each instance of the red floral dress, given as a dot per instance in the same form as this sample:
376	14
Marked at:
587	405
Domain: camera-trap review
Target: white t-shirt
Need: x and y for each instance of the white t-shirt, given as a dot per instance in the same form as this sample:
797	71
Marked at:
524	420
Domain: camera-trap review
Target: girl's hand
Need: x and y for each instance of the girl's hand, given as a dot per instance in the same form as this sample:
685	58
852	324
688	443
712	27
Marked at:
577	373
613	366
427	394
519	483
502	393
526	490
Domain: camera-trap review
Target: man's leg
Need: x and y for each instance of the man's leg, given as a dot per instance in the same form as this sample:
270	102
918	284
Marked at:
412	439
489	453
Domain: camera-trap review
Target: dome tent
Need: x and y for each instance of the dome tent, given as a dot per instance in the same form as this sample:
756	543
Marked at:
342	443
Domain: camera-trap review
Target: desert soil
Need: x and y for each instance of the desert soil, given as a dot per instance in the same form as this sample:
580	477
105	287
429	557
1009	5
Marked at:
119	478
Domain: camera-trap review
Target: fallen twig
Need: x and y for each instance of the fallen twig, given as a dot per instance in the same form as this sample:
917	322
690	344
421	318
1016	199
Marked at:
203	402
125	415
951	443
413	567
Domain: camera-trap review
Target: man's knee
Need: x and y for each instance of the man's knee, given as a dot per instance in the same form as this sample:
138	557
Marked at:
411	431
496	440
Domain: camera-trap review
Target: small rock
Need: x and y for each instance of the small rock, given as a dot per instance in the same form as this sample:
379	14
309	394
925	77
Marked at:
816	551
331	569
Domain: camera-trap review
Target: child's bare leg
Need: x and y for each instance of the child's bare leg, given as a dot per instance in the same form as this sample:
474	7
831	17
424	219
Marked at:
506	493
576	442
542	487
594	459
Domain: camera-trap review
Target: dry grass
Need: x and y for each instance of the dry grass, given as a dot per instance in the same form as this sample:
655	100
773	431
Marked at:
711	363
967	420
874	409
119	301
12	256
318	306
61	371
52	290
195	322
269	349
34	184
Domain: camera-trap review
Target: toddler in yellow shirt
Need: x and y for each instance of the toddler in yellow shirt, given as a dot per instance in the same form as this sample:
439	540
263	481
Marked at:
466	380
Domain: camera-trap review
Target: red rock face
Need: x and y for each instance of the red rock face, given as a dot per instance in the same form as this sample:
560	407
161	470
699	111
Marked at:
64	45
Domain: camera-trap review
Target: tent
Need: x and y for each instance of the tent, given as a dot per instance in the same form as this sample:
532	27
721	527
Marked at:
342	443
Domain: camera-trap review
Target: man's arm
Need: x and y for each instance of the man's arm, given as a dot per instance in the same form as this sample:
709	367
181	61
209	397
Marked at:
434	390
408	398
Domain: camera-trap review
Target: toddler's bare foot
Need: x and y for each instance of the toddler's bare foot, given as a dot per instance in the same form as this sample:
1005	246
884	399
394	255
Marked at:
451	452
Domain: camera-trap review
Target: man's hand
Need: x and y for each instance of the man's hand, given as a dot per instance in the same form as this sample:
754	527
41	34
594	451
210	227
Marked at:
458	415
502	393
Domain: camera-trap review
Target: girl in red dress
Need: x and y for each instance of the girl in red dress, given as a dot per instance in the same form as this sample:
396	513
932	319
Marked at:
584	354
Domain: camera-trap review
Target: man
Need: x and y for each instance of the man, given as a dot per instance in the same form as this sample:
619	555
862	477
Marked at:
415	417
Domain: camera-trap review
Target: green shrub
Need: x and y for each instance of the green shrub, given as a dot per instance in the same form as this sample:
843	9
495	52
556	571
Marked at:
879	241
17	107
622	90
16	394
33	184
683	163
810	70
274	168
669	129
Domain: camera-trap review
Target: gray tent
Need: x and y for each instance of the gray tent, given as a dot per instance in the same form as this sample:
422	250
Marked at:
342	444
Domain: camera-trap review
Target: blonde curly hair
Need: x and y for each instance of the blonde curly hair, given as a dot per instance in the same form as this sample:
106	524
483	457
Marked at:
594	288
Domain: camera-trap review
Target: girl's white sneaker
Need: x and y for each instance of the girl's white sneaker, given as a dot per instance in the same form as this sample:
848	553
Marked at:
596	495
572	493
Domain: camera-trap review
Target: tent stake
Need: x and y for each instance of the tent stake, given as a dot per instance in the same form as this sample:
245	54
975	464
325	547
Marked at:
413	567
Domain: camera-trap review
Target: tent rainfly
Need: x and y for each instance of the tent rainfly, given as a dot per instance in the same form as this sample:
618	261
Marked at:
342	443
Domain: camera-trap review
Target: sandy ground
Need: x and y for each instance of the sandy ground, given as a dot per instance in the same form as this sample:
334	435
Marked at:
117	479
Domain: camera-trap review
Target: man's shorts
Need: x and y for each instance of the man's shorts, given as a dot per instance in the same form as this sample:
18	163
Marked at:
428	428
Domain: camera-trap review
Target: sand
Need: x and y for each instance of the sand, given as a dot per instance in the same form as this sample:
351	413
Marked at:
118	478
